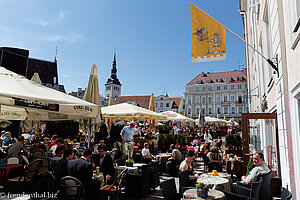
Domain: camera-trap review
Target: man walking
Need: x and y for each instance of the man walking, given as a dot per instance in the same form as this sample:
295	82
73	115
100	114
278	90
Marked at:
127	134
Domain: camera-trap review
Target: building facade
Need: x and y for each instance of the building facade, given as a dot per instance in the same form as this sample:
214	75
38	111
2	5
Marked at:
113	85
223	93
272	27
166	103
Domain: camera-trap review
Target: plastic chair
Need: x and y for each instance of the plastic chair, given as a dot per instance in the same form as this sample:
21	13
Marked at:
45	166
184	181
169	190
31	171
285	194
37	154
265	190
72	188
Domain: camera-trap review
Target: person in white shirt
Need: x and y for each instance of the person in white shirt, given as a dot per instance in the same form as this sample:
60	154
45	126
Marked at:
207	136
146	153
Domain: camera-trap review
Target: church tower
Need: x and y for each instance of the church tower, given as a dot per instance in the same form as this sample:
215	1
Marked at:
113	85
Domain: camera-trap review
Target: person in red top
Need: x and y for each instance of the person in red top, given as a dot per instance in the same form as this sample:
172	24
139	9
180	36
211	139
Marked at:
53	142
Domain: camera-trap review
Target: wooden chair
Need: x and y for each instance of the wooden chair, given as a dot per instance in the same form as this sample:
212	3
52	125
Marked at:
31	171
72	188
115	189
45	166
37	154
169	190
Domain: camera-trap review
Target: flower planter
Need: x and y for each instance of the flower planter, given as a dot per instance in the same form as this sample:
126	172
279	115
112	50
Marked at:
129	164
3	163
202	193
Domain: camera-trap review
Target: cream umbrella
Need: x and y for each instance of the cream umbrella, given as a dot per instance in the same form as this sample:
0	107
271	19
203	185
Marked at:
23	98
128	112
152	107
176	117
92	95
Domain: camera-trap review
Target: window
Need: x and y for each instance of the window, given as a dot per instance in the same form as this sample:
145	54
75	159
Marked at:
203	109
167	105
203	88
240	99
161	105
239	78
233	110
198	82
232	87
197	111
209	88
189	99
197	89
226	110
240	109
232	99
207	81
225	87
225	99
219	110
228	79
218	99
190	89
203	99
239	86
218	80
189	111
156	105
209	111
209	99
107	88
218	87
197	100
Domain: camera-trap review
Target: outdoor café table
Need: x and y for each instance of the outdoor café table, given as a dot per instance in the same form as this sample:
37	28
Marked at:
163	158
217	182
10	171
131	170
212	194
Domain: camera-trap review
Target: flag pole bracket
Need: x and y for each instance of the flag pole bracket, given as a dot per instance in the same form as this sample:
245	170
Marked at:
273	62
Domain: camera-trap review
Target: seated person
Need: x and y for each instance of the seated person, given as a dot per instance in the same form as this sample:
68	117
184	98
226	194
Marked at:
260	168
174	161
106	164
219	142
187	164
61	169
18	148
215	159
147	157
37	145
60	147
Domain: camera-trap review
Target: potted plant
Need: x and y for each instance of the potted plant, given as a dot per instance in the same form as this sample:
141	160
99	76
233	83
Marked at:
237	142
3	162
129	163
229	141
202	189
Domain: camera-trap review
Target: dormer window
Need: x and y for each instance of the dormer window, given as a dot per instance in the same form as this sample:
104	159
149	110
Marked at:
198	82
228	79
239	78
218	80
207	81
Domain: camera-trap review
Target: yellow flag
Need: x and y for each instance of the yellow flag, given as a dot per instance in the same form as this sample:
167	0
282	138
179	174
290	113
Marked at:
208	37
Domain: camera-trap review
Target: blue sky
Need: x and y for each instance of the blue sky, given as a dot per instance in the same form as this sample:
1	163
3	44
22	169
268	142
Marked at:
152	38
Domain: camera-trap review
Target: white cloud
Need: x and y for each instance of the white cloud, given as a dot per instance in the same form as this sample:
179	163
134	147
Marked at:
72	37
61	15
49	21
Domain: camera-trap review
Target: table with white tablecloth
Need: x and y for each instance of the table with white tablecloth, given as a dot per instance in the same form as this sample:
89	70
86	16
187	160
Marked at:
212	194
217	182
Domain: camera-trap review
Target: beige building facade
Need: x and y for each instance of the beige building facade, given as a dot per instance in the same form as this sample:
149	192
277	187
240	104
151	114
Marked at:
272	27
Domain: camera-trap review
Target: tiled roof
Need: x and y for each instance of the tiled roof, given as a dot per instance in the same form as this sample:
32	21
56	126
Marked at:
176	100
201	78
142	100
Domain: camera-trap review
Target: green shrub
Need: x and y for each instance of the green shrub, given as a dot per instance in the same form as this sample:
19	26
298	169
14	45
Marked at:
229	139
237	140
250	166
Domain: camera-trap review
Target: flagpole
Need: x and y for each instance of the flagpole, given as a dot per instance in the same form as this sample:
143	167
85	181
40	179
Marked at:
273	65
